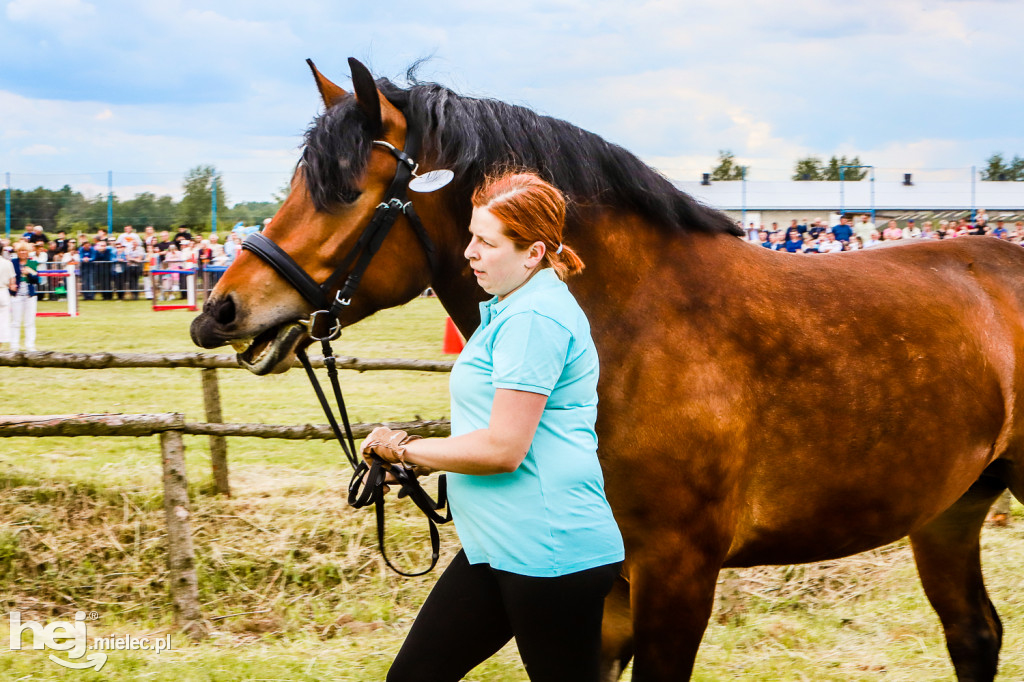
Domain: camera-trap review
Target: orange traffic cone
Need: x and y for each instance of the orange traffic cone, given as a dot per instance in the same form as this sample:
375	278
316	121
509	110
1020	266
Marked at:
453	343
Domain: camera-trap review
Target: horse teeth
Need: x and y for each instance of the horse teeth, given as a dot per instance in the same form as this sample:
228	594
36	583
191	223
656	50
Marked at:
241	345
263	352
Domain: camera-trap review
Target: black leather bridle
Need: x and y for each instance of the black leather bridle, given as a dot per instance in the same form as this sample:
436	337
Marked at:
367	484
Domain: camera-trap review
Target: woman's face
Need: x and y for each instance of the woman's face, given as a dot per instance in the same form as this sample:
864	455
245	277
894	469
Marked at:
499	265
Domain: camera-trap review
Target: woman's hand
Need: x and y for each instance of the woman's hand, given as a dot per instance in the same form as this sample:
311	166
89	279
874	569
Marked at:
387	444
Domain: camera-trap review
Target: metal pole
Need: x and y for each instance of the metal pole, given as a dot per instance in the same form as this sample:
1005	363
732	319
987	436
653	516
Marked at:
872	195
110	203
743	189
213	204
842	196
7	208
974	177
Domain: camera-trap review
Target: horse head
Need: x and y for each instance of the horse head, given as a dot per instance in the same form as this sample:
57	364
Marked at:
344	177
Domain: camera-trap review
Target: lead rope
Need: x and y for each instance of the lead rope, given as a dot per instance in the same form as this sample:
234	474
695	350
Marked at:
367	483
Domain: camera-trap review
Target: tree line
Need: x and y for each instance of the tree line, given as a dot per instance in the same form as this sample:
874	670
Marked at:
73	212
997	168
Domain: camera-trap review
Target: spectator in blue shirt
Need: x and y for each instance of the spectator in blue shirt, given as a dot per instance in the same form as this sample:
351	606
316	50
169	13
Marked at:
843	231
86	256
794	241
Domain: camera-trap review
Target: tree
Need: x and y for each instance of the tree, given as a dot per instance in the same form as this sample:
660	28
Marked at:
809	168
146	209
832	170
282	194
252	212
812	168
1017	168
997	169
39	206
195	207
727	169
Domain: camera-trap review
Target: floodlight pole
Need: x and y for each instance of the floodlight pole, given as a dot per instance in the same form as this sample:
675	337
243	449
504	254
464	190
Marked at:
974	177
213	204
110	202
7	207
842	190
743	192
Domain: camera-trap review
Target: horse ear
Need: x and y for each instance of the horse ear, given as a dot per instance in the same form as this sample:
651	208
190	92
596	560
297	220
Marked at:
330	92
366	93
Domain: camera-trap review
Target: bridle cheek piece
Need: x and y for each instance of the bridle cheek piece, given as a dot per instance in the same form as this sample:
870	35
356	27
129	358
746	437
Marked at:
367	484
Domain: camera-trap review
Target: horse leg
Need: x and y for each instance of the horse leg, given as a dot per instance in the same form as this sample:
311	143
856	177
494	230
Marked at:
999	515
672	599
948	555
616	632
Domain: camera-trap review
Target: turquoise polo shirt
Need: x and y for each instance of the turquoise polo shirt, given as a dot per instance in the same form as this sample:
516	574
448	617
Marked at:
549	517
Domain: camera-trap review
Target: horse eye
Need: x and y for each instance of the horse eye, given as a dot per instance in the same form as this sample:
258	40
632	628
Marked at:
349	197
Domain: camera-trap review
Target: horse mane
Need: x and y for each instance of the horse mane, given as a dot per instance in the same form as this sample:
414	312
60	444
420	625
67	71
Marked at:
476	137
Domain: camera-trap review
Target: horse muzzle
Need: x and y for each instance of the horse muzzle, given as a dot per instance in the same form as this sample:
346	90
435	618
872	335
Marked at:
264	351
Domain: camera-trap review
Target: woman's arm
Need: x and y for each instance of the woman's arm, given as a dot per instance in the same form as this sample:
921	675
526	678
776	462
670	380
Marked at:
500	448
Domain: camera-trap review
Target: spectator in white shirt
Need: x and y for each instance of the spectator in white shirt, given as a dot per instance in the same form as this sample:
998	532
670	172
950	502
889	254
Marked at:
829	244
6	284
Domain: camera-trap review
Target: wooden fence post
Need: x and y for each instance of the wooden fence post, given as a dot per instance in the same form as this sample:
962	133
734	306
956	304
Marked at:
181	558
218	444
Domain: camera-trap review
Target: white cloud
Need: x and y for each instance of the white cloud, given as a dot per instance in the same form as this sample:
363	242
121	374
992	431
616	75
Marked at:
104	115
48	11
39	150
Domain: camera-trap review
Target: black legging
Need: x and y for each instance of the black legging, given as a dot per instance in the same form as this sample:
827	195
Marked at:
474	610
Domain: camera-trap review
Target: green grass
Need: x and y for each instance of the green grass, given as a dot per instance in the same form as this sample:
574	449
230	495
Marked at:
81	527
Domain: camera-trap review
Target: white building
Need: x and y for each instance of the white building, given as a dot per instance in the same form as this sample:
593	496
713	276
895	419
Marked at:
766	202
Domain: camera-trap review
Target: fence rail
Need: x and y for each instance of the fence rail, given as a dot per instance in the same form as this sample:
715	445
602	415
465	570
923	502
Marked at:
56	359
139	425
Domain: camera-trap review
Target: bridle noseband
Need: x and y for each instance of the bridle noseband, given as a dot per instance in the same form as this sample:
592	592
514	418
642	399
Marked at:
367	484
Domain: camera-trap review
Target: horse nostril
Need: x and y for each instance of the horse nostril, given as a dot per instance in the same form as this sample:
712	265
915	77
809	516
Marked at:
224	312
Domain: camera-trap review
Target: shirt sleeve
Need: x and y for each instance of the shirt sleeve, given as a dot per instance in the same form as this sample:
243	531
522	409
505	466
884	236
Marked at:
530	351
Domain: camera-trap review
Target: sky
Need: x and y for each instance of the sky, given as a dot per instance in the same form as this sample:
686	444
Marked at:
148	90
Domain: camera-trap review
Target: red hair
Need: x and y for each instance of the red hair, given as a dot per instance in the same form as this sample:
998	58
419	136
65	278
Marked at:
531	210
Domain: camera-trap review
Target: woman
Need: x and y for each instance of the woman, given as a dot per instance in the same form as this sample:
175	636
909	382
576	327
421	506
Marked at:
540	546
173	260
8	284
70	257
892	232
23	305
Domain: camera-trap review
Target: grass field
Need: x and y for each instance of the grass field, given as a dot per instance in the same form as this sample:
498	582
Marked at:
291	576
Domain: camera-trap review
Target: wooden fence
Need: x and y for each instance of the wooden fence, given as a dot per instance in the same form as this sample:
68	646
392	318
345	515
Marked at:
170	427
209	364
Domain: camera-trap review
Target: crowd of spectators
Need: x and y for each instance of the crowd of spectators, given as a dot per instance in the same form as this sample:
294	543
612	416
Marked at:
120	266
806	236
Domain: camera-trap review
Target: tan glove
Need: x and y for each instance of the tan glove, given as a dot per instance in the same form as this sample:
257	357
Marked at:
387	444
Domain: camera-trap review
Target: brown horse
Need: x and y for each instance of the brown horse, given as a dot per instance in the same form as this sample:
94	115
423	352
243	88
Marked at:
717	357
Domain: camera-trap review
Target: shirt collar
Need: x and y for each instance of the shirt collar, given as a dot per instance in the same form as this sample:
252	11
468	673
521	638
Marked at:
543	279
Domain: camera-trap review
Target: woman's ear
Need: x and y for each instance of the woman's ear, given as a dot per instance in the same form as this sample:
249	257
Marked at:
537	251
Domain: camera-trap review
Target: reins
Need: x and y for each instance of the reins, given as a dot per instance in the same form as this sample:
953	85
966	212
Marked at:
368	480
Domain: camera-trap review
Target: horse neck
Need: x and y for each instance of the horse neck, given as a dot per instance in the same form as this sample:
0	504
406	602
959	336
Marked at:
631	268
453	282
